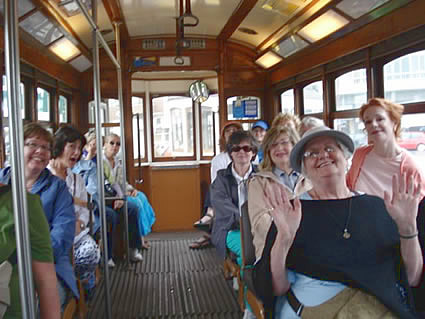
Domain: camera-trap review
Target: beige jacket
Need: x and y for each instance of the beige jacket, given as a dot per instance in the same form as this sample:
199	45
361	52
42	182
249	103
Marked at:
258	215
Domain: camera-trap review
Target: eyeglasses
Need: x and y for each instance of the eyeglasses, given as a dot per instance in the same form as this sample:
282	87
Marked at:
245	148
33	146
316	154
115	143
282	143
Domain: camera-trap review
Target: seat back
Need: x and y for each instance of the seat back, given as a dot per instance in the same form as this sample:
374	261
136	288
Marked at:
248	260
248	250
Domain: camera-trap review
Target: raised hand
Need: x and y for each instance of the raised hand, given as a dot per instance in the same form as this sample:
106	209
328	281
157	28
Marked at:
402	203
286	216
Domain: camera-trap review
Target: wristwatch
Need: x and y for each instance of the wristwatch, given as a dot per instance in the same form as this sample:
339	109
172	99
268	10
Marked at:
82	226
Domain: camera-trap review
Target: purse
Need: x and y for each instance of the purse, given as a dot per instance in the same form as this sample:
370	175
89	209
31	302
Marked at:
109	192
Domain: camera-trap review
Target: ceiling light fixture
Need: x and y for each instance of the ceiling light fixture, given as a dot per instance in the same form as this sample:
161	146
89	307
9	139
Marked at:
268	59
65	49
322	26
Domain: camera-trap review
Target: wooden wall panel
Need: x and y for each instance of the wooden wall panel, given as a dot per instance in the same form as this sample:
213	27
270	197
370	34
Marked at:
175	198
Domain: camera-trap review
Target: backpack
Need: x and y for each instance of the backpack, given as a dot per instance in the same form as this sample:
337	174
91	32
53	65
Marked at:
5	275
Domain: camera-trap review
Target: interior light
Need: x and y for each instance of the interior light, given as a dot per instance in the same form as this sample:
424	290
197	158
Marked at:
322	26
65	49
268	59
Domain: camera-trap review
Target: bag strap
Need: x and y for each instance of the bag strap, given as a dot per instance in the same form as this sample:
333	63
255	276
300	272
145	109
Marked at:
75	185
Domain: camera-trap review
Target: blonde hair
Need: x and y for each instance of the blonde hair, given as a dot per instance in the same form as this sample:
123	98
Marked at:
282	118
271	136
394	110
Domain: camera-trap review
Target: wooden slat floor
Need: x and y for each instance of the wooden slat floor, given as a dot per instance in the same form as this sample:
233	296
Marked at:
172	281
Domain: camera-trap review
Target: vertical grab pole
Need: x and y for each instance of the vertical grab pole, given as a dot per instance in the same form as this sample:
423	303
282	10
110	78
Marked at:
123	151
100	175
20	205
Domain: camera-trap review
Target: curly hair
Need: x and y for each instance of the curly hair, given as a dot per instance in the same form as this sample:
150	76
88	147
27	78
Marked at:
282	118
66	134
394	110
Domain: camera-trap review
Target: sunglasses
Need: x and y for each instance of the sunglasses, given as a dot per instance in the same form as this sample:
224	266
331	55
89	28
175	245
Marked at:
245	148
115	143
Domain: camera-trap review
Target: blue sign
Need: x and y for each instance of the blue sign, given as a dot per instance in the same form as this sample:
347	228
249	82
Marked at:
245	108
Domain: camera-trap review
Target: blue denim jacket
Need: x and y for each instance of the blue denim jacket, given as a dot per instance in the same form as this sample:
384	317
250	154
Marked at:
58	207
88	170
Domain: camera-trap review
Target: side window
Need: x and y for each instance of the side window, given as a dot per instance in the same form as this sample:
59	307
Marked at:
287	102
313	97
351	90
353	127
5	96
413	136
43	105
209	124
63	109
404	78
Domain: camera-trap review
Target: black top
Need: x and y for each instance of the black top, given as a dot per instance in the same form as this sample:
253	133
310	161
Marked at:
370	260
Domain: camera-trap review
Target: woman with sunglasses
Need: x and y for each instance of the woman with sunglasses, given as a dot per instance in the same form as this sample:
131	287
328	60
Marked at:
228	193
140	212
275	168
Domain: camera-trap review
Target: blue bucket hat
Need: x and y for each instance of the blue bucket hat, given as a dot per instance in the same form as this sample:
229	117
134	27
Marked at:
261	124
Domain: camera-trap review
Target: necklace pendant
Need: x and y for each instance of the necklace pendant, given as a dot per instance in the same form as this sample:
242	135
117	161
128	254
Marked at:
346	234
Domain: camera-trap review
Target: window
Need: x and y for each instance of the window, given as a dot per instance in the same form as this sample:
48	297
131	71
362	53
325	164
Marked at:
413	136
63	109
209	123
5	95
173	134
243	108
138	128
113	111
313	98
351	90
353	127
287	101
404	78
43	105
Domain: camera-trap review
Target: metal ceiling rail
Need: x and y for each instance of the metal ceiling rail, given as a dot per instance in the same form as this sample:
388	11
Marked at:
99	34
19	193
97	37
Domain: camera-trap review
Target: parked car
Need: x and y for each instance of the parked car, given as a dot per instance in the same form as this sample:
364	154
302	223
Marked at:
413	141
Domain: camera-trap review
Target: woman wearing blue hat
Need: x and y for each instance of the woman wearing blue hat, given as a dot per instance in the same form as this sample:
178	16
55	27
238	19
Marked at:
259	130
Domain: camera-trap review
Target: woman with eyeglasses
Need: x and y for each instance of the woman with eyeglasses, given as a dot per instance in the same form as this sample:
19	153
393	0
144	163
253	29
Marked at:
56	201
66	152
275	168
140	212
338	253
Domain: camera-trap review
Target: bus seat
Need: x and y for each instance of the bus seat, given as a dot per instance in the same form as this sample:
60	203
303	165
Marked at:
248	260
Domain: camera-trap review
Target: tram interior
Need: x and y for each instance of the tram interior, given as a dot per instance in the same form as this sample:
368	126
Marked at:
321	58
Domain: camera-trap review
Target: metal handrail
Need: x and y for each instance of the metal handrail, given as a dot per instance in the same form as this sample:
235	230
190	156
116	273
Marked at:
19	194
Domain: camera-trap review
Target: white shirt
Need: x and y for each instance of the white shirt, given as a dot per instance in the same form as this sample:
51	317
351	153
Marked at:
242	191
219	162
